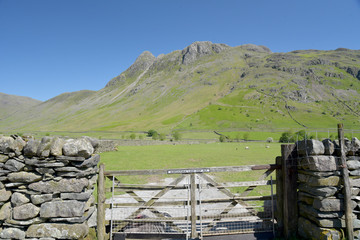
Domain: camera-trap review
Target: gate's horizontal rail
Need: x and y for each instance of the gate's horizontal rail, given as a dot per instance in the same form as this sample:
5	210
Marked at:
161	187
192	170
185	203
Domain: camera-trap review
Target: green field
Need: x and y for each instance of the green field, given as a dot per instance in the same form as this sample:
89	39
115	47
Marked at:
192	156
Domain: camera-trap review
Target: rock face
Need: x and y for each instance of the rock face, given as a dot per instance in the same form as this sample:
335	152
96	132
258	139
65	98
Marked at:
199	49
321	201
46	187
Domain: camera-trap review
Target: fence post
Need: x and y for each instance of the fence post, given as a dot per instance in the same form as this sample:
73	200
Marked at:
279	199
347	190
101	204
289	189
193	205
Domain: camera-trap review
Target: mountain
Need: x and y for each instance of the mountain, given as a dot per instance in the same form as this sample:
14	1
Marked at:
11	104
211	86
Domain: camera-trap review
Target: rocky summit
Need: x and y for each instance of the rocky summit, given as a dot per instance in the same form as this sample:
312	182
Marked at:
207	86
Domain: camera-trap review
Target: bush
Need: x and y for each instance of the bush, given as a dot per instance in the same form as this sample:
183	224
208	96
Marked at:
155	136
222	138
177	136
132	136
287	137
246	136
162	136
151	133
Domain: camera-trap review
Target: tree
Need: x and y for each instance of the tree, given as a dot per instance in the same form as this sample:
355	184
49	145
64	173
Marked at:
155	136
222	138
246	136
287	137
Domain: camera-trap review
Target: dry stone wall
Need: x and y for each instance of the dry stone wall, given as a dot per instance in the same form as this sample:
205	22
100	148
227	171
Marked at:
46	187
320	189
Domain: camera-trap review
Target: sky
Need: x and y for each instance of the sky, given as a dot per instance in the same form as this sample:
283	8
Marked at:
49	47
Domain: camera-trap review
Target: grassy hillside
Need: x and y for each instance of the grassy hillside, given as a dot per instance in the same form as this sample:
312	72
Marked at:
211	86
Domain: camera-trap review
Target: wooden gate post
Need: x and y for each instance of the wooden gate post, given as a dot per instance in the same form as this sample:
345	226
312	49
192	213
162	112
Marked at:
289	188
347	187
193	205
279	199
101	204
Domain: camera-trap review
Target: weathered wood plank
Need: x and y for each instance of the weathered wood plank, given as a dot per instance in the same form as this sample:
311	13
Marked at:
185	170
347	190
101	204
289	173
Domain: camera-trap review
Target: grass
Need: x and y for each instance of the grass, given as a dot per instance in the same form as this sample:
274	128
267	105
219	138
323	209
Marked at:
192	156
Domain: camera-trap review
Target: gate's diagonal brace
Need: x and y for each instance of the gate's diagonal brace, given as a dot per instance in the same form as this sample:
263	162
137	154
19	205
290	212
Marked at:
229	194
152	201
251	188
153	210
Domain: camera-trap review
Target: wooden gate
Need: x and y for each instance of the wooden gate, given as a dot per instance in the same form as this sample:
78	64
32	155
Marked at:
188	204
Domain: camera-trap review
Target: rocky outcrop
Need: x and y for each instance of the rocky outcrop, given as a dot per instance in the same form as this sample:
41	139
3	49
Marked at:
199	49
46	187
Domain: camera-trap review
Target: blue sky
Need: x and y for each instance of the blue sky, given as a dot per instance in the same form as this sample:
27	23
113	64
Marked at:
48	47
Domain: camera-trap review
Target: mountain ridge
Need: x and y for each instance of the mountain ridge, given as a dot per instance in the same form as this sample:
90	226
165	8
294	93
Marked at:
190	88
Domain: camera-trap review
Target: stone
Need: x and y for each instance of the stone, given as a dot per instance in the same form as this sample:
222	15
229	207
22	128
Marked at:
308	230
94	142
49	164
318	191
68	158
5	211
79	174
354	182
92	221
306	198
44	147
39	199
26	211
310	147
320	174
355	172
67	169
65	209
64	185
14	165
78	147
24	222
331	204
11	144
3	158
88	163
56	146
84	196
45	170
31	147
355	191
353	164
57	231
319	181
335	223
81	219
329	146
310	212
24	177
12	233
319	163
4	195
18	199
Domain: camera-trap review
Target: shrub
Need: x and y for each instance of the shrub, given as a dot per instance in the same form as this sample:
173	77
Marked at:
177	136
162	136
155	136
287	137
132	136
222	138
246	136
151	133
